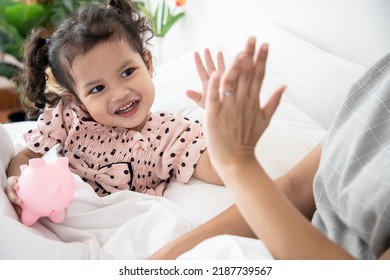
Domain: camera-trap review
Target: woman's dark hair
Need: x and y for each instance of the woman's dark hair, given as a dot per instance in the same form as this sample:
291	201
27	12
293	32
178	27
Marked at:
76	35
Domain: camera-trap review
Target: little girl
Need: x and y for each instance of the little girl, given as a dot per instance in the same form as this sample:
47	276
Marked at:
103	122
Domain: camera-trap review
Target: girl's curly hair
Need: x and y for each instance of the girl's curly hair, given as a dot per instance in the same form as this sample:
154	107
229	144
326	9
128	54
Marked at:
75	36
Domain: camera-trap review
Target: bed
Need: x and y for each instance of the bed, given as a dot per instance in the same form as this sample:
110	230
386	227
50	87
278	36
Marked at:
318	63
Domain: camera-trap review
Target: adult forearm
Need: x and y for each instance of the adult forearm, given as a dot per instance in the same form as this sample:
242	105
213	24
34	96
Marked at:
297	184
274	219
229	221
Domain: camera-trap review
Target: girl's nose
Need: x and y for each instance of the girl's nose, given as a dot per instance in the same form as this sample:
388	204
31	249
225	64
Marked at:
119	93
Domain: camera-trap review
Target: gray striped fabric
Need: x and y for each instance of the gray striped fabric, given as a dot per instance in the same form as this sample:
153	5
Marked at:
352	185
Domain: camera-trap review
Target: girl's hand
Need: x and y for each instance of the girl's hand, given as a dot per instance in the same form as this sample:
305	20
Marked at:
235	120
11	190
204	73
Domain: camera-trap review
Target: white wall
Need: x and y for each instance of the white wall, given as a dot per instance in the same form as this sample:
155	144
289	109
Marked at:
354	29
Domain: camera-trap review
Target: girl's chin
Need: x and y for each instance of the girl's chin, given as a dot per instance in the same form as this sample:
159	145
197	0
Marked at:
133	123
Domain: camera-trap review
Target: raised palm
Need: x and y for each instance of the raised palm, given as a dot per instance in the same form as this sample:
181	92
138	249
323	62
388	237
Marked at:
204	71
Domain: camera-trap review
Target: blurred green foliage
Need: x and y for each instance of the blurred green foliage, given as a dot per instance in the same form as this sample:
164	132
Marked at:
18	19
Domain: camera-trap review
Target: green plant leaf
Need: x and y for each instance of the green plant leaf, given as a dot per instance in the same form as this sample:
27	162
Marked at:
170	22
69	5
140	6
18	19
26	16
10	39
155	26
6	3
8	70
164	6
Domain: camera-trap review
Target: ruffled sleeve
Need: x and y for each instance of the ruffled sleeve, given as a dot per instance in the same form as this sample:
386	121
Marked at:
184	144
52	129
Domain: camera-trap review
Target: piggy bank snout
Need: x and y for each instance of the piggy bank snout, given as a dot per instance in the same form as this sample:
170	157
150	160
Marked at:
52	190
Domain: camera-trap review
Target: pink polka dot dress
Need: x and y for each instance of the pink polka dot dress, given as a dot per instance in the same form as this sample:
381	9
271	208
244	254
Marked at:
113	159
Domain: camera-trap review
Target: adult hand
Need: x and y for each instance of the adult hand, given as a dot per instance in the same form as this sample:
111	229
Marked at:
235	119
204	72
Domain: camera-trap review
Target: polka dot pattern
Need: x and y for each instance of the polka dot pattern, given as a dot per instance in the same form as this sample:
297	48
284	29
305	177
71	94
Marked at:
168	147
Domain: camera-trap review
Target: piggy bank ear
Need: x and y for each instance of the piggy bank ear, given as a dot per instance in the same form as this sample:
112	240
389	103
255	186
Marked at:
36	162
64	161
23	167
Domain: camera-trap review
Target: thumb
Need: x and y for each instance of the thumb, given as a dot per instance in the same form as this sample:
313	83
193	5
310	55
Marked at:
273	103
194	95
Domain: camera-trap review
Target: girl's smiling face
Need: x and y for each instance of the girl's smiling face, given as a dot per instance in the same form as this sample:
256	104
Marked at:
115	85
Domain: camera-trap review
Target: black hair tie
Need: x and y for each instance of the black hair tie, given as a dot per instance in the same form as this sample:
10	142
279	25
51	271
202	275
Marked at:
43	42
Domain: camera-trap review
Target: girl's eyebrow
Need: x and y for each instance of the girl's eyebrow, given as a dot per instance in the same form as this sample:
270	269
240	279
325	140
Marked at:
91	83
124	64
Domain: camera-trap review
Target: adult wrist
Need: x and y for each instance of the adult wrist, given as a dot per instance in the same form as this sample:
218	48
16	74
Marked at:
238	166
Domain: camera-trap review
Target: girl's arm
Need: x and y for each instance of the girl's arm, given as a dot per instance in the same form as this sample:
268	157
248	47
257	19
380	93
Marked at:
21	158
285	231
205	171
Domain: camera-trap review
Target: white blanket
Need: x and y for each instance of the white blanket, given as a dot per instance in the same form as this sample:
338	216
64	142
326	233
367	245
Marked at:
125	225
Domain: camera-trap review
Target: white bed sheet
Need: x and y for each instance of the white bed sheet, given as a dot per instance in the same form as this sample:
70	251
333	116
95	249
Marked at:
125	225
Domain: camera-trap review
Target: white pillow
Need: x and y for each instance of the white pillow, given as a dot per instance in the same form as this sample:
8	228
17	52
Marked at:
6	152
289	137
16	131
317	81
174	78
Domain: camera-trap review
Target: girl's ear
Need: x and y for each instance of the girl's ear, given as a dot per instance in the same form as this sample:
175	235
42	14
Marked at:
148	62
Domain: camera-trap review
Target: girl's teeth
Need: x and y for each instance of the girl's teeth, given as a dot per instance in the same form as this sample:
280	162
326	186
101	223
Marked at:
127	108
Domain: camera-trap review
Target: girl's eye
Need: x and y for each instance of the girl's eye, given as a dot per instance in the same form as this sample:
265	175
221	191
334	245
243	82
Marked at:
97	89
127	72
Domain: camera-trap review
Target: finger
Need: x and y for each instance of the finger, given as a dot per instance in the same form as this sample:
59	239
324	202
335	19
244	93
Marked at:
15	186
209	61
244	82
194	95
12	180
213	103
230	76
260	67
250	46
17	199
272	104
12	188
202	72
13	197
221	62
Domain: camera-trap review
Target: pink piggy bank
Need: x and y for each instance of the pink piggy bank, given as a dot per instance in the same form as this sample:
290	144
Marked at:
46	189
